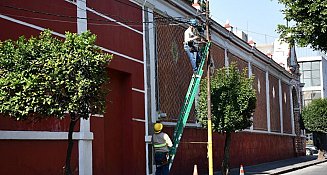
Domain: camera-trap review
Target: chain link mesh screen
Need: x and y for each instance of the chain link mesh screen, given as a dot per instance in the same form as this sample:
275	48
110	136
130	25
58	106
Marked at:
174	70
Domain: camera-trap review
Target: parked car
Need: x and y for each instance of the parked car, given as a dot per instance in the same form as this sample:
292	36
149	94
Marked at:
310	150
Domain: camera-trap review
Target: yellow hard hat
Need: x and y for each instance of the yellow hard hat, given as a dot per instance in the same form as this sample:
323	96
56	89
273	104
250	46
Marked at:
157	127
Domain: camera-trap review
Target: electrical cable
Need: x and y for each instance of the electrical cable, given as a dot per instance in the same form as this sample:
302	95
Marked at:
258	33
162	19
169	19
65	21
139	8
67	16
72	22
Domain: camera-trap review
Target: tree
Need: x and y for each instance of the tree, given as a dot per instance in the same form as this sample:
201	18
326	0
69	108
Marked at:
315	119
47	77
310	23
315	115
233	101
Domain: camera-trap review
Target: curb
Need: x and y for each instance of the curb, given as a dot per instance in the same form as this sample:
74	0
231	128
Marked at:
297	168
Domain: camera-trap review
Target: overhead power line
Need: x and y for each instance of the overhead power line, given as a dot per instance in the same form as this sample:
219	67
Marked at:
163	18
71	17
245	30
65	21
168	19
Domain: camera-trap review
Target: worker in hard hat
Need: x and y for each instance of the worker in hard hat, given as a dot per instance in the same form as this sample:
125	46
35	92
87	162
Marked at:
161	144
191	43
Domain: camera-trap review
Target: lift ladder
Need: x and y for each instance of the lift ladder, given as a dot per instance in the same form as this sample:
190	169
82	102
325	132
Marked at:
188	102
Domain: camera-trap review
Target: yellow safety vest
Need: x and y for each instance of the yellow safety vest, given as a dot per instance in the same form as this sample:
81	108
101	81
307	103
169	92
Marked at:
160	145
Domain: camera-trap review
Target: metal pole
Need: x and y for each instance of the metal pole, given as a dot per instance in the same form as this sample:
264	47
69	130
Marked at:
210	157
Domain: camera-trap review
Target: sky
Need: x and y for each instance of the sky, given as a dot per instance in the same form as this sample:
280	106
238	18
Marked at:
257	18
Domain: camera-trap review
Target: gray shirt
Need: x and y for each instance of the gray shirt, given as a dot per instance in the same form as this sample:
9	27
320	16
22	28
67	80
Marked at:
161	142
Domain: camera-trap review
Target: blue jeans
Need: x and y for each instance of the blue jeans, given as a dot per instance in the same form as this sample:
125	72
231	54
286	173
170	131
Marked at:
162	165
192	56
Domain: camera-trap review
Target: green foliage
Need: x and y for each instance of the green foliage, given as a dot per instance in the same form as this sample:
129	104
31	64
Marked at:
310	23
233	100
49	77
315	116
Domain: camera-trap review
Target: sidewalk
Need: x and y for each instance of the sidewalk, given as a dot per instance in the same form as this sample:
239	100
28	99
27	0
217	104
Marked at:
278	167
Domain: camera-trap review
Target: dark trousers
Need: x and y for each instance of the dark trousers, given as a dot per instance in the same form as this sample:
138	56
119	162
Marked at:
162	165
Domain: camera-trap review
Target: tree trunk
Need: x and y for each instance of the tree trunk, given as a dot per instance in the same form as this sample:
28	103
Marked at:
319	145
225	163
73	121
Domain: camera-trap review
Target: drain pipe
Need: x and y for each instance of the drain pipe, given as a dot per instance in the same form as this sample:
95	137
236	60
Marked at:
145	56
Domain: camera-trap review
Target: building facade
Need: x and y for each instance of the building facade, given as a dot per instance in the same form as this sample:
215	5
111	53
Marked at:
149	76
313	75
275	121
112	143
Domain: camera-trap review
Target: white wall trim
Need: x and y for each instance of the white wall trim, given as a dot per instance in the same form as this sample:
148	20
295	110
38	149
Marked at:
85	125
250	75
280	94
266	132
113	20
120	54
84	146
97	115
138	90
139	120
29	25
108	18
268	101
187	124
146	26
43	135
63	36
226	57
292	110
85	157
153	65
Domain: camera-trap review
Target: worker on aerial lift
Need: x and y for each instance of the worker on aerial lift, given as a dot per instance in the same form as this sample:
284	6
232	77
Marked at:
161	143
192	40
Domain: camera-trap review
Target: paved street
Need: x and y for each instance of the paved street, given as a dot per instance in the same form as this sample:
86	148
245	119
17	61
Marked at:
319	169
296	166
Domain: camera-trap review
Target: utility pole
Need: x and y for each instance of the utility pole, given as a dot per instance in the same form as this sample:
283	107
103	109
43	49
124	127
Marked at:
210	158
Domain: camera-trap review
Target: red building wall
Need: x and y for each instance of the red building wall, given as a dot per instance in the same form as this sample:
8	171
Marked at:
35	157
118	135
241	64
218	55
174	73
59	16
246	148
260	113
274	104
174	70
287	125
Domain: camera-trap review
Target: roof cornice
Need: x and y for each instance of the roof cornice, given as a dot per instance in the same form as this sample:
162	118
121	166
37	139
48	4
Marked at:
183	9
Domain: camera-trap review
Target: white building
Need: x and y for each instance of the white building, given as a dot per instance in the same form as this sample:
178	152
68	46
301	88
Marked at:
314	76
313	71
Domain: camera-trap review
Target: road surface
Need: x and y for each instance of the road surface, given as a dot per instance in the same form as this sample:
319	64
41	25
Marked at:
319	169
